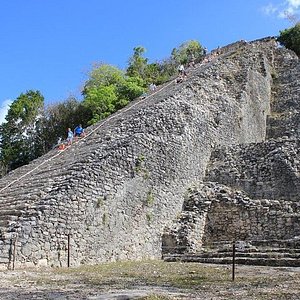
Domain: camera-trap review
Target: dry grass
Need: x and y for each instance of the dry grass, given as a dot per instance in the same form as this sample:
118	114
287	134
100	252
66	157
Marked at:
179	275
262	282
165	281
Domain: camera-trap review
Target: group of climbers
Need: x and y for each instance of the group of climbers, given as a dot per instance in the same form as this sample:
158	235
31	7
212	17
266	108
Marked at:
78	132
152	88
207	57
182	74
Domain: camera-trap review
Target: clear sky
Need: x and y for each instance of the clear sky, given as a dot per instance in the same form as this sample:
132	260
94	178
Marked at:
49	45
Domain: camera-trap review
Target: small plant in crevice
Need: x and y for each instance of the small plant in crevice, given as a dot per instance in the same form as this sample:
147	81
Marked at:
191	190
274	75
104	218
145	174
150	198
140	167
149	217
139	162
100	201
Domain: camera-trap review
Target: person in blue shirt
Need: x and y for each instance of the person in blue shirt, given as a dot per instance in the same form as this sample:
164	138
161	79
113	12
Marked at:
70	136
79	131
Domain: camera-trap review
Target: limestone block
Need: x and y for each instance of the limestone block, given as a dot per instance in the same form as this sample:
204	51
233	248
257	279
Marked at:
42	263
26	250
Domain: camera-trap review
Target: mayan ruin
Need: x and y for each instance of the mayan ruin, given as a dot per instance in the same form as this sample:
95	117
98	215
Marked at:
178	175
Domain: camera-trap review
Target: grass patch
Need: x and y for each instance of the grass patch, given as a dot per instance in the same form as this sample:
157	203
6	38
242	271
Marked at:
165	280
180	275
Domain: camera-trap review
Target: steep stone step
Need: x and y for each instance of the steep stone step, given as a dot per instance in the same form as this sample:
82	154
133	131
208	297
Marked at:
10	215
8	212
6	218
256	245
31	193
265	250
283	244
42	173
270	254
284	117
11	202
37	181
42	168
280	262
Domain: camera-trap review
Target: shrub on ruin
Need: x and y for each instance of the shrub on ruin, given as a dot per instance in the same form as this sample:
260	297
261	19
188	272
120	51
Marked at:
290	38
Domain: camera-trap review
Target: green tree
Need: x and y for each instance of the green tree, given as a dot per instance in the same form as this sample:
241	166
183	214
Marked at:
60	116
107	90
137	63
101	101
20	140
103	75
186	52
290	38
129	89
156	72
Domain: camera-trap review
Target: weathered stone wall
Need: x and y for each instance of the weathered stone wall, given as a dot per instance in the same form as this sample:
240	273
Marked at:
283	122
259	195
115	191
214	213
264	170
248	219
185	233
269	169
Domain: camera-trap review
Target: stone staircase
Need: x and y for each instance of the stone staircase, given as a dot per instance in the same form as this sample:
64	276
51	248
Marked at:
36	178
174	131
284	119
46	174
277	253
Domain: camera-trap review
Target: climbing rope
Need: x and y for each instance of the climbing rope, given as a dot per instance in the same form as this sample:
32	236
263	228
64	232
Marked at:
92	131
88	134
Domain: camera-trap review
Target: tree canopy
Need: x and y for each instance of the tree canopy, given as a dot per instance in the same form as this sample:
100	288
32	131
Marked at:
58	117
109	89
20	140
290	38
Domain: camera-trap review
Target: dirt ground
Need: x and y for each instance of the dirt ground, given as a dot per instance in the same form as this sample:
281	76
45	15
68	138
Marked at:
152	280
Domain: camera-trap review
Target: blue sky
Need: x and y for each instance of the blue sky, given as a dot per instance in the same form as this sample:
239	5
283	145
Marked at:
49	45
